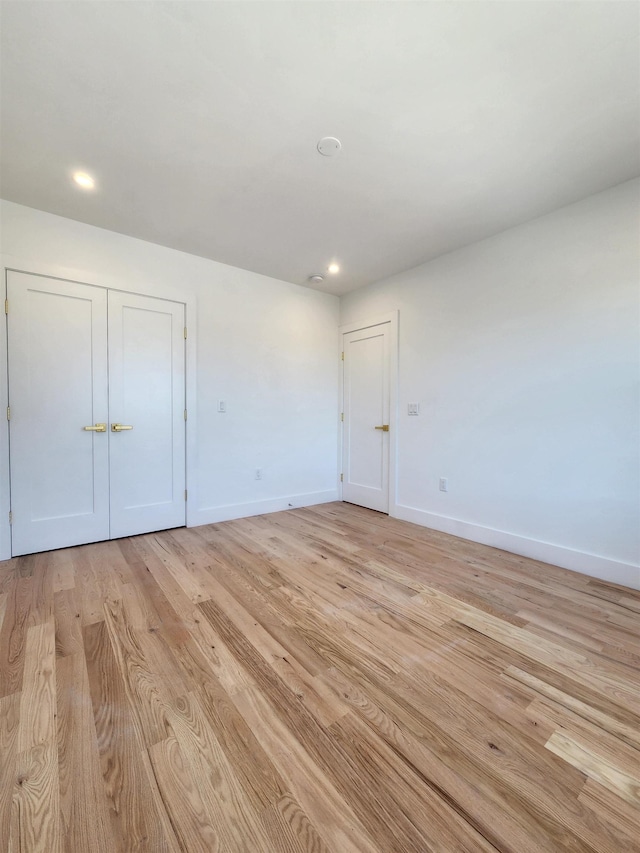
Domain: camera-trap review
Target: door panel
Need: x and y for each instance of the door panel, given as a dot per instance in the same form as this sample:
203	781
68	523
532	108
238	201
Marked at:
366	406
146	389
57	337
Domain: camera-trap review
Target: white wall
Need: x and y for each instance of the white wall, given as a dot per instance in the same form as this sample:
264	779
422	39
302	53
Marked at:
268	348
523	351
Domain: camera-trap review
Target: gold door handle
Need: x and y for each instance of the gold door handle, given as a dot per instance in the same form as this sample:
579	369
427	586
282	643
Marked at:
384	427
96	428
119	427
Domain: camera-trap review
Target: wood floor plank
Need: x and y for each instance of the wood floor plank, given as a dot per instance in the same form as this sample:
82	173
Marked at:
180	620
38	703
3	607
322	680
42	602
138	820
262	783
142	668
617	750
301	682
623	725
611	810
227	804
290	829
35	808
68	622
489	758
13	635
60	566
584	667
85	822
180	792
591	762
178	565
329	814
9	723
495	814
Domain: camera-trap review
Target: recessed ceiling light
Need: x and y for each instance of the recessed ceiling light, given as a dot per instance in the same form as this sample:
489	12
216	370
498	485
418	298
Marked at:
83	180
333	268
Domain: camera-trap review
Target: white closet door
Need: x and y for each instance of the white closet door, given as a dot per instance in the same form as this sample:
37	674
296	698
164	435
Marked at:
57	333
147	399
366	417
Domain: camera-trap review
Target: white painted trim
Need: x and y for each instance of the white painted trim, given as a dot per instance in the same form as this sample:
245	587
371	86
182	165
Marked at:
32	266
593	565
173	294
389	317
214	514
5	528
340	369
393	318
191	403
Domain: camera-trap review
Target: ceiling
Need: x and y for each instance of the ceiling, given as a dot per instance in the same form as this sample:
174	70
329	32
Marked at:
200	120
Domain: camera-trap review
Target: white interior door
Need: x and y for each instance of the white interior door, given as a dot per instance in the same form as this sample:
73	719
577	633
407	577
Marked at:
366	417
147	399
57	338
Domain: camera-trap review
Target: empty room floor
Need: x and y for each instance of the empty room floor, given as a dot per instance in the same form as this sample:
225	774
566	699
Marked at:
324	679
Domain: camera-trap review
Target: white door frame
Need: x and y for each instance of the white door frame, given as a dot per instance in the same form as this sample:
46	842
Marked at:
173	294
393	318
5	497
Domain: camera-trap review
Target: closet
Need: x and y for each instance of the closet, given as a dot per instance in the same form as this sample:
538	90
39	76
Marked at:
96	413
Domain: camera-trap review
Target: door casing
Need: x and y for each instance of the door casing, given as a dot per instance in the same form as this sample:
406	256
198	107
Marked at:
393	318
35	266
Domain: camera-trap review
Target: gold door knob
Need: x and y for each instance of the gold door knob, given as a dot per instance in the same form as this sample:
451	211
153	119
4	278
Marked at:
384	427
119	427
96	428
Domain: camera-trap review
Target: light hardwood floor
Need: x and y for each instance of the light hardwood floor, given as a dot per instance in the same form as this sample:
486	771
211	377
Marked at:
325	679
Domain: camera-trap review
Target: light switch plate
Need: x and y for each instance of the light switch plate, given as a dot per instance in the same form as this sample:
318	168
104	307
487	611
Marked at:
413	408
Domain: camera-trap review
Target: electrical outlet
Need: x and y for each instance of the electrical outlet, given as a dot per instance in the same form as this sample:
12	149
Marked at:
258	473
444	484
222	406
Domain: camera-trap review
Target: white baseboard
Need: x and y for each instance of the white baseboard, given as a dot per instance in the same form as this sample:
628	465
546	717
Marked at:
613	571
213	514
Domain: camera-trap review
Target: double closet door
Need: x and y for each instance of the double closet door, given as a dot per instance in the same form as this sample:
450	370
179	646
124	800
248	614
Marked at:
97	413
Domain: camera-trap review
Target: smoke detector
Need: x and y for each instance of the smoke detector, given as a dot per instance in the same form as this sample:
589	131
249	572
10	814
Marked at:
329	146
316	279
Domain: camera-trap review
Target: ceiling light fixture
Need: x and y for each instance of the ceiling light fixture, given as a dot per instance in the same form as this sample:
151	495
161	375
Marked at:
329	146
333	268
83	180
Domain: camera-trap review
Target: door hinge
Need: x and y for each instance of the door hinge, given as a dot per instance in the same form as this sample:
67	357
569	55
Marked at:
8	413
185	414
342	478
6	306
10	517
342	356
185	494
342	416
185	333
